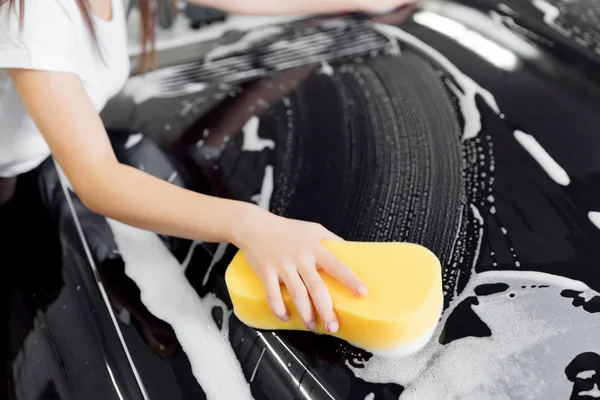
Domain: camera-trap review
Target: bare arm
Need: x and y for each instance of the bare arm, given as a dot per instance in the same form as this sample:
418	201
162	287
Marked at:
278	249
74	132
281	7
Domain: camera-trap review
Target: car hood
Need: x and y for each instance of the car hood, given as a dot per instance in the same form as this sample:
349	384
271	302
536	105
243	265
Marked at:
468	127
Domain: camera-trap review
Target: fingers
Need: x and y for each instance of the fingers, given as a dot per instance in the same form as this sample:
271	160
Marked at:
320	297
325	234
300	297
340	271
274	298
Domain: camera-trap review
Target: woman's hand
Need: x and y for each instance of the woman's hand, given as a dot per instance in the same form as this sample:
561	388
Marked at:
280	250
287	251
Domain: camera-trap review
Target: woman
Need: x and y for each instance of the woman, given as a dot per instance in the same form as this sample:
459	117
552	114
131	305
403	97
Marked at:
61	60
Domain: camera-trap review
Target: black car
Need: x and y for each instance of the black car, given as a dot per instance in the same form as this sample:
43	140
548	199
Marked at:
470	127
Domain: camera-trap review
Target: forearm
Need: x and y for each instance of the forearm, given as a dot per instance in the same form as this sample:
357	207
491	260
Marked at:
72	128
280	7
138	199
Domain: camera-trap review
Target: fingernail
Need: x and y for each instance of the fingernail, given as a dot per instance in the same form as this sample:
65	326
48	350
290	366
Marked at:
285	318
312	326
333	326
362	290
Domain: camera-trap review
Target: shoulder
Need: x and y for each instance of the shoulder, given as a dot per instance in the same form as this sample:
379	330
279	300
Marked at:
48	31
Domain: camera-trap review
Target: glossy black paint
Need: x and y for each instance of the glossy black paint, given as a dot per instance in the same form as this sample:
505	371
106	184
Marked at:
64	344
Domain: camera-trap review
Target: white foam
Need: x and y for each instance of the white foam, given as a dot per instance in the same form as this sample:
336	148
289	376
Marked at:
593	392
133	139
181	34
507	364
142	88
211	301
263	200
586	374
221	249
587	296
476	214
247	41
551	12
594	216
326	69
405	350
168	295
141	91
469	89
190	254
539	154
479	218
253	142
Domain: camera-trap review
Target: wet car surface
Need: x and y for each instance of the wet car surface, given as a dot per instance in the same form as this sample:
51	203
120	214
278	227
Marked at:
469	127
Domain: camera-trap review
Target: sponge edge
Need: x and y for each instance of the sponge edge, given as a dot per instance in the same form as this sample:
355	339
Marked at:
398	316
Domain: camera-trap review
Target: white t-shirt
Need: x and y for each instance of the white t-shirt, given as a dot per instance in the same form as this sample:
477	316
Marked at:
54	38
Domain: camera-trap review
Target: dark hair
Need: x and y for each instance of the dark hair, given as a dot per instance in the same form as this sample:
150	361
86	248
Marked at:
148	34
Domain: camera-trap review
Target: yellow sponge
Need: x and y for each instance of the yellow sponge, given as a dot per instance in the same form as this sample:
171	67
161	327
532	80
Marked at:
399	314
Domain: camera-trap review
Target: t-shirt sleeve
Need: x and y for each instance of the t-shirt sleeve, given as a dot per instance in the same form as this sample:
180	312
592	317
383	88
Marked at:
46	40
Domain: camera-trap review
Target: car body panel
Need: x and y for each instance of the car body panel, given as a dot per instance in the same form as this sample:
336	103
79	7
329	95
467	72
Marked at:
471	129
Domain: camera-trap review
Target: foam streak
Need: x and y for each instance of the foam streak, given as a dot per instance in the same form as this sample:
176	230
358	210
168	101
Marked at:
555	171
168	295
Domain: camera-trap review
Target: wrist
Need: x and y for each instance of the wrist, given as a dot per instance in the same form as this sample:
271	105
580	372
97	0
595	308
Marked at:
244	222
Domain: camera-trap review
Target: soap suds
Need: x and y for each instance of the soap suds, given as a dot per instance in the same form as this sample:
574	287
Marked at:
190	254
594	392
168	295
221	249
246	42
405	350
133	139
551	13
151	86
539	154
326	69
577	20
263	199
594	216
586	374
469	89
253	142
522	326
